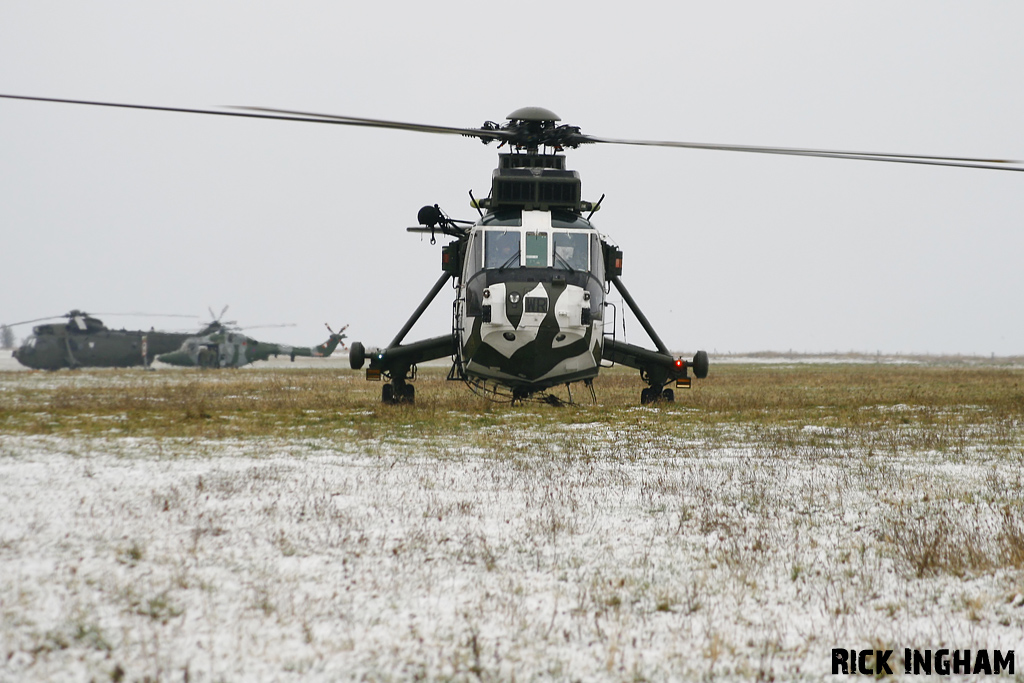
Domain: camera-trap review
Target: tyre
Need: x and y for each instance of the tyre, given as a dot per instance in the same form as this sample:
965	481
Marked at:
700	364
387	394
668	396
356	355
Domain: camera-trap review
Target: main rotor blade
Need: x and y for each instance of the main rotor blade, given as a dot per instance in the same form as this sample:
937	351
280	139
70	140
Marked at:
147	315
132	314
265	327
383	123
965	162
284	115
37	320
511	135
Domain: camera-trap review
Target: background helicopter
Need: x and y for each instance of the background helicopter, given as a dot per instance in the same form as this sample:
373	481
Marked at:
755	252
229	348
84	341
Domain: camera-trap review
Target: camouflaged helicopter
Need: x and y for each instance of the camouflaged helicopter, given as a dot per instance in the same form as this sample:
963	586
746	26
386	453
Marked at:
226	348
84	341
532	273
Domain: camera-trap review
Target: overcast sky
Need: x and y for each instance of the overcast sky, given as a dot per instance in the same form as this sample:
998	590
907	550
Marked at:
123	211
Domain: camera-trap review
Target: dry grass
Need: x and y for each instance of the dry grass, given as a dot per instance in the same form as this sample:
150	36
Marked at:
947	402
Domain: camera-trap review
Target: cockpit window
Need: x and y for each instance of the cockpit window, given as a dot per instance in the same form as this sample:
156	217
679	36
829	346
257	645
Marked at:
536	250
571	251
563	250
473	259
501	249
596	257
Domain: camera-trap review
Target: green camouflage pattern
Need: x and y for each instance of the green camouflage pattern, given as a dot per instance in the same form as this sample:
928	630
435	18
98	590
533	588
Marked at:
227	349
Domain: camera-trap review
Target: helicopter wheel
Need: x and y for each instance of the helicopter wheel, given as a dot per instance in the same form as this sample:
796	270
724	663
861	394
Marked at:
356	355
655	394
393	394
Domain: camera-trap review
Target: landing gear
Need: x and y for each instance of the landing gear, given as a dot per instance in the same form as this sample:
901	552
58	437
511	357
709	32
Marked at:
655	393
657	368
397	362
394	393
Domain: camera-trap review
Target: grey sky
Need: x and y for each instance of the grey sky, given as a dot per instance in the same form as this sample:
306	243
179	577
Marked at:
138	211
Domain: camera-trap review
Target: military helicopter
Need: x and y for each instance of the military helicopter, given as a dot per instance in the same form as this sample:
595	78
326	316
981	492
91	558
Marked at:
84	341
532	273
225	348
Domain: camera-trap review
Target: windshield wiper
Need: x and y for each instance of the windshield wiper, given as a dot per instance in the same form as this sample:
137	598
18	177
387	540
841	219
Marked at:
562	259
506	264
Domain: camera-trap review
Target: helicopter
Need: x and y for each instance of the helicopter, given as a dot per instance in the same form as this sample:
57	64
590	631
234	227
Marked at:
532	273
84	341
225	348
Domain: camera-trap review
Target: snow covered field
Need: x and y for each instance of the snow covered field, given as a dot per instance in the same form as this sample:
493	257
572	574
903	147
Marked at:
582	552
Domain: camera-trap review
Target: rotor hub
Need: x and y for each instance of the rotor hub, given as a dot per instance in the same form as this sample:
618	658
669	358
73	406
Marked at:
533	114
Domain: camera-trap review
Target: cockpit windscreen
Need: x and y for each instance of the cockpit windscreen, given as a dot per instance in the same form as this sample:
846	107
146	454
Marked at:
501	249
571	250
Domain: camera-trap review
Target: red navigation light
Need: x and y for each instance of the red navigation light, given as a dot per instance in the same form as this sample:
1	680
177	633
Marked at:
679	363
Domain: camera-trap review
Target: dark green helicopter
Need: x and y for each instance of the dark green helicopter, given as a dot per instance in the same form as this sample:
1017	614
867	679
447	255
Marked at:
532	273
84	341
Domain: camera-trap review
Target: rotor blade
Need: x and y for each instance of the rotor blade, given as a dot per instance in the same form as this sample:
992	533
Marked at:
148	315
37	320
67	316
119	315
500	134
383	123
966	162
265	327
284	115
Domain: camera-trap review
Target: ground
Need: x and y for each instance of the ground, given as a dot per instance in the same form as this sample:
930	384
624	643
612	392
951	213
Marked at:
465	541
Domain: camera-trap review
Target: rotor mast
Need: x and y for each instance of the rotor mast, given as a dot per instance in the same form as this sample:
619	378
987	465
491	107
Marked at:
528	177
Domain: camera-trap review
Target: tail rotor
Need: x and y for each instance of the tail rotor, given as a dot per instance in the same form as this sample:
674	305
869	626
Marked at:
339	334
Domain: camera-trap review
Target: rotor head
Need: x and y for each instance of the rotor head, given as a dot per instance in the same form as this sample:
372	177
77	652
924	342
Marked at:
533	114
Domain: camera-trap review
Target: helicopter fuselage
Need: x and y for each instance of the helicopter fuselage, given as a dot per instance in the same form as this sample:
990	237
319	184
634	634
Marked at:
56	346
226	349
531	300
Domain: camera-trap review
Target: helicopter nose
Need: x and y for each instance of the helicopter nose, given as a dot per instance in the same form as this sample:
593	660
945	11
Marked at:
174	358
